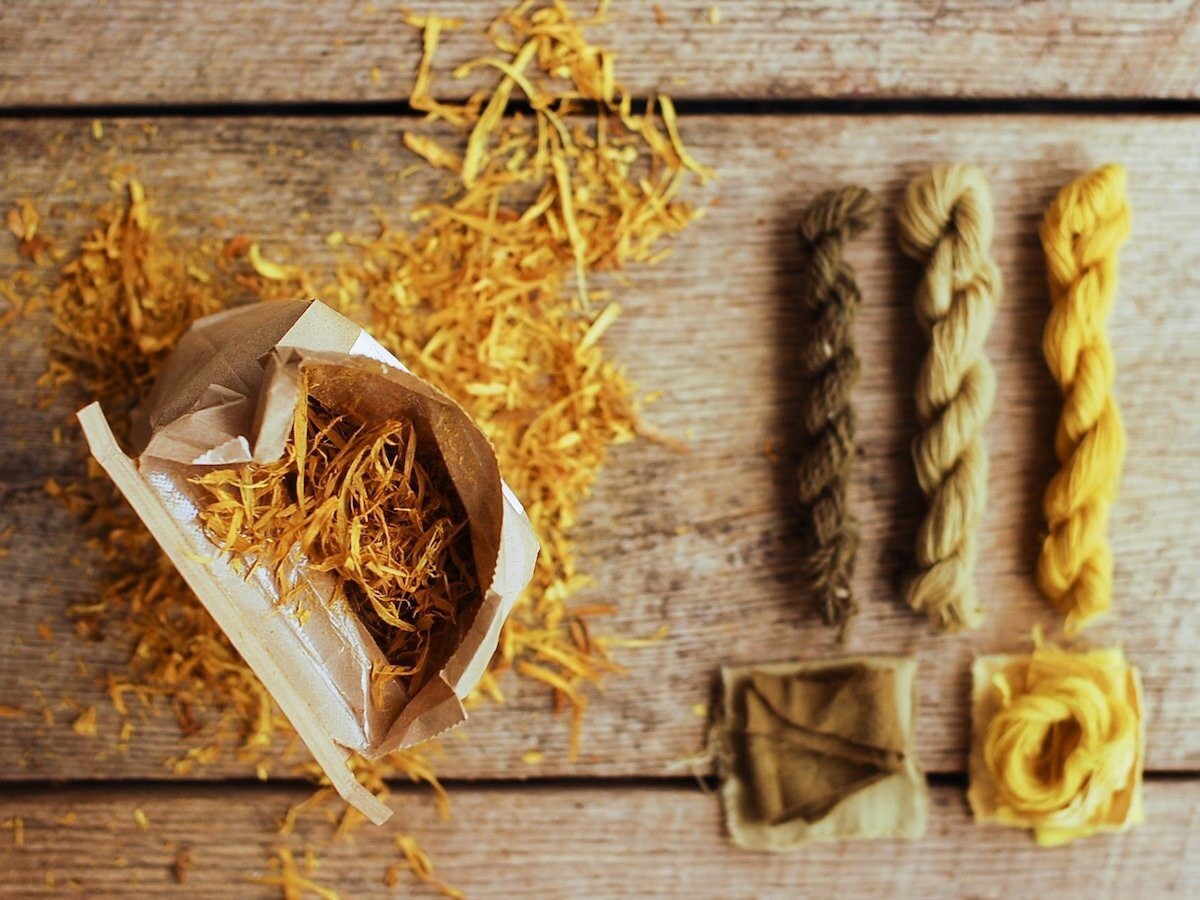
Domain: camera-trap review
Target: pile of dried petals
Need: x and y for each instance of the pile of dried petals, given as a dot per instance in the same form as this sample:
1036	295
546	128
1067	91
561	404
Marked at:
489	301
488	298
118	308
363	503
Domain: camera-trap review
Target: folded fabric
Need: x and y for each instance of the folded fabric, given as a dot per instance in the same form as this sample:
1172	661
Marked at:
1057	742
820	751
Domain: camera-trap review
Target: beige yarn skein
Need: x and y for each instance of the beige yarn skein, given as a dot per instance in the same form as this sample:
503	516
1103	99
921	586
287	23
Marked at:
946	224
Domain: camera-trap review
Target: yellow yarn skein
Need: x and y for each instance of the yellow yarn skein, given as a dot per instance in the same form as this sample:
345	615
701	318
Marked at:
1081	233
946	224
1064	749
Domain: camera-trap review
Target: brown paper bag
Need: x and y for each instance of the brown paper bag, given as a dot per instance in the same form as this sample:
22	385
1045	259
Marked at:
226	397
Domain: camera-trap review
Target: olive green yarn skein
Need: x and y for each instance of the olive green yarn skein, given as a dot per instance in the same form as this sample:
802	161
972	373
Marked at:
828	361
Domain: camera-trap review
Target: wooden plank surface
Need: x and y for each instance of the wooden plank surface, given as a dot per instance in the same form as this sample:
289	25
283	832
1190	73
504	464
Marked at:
55	52
703	542
570	841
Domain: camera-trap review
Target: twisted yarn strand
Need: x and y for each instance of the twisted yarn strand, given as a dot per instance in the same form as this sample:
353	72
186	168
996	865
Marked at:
1081	233
946	224
828	361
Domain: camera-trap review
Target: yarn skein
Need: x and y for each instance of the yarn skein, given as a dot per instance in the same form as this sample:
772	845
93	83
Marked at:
830	294
946	224
1081	233
1062	750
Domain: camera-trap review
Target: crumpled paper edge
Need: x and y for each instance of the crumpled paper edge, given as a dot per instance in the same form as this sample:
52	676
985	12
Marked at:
333	758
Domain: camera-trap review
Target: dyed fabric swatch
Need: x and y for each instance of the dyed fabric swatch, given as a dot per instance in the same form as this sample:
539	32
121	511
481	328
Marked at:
820	751
1058	740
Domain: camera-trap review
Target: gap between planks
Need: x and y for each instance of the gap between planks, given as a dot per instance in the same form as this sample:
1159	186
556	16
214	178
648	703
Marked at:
138	51
570	842
708	106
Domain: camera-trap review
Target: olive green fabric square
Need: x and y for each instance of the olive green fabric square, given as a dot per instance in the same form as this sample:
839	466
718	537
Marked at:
820	751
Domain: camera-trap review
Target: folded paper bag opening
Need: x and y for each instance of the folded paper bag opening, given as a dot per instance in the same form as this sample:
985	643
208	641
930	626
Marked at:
248	396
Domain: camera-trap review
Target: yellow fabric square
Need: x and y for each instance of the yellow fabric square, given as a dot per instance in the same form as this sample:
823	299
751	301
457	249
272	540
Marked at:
1057	744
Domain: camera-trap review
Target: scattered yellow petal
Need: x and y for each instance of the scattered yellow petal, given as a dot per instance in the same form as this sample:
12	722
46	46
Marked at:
671	120
285	874
17	824
85	724
432	152
23	221
271	271
418	862
596	330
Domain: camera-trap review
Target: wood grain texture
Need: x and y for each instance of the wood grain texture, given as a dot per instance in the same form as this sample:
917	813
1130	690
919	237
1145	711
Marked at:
55	52
704	542
570	841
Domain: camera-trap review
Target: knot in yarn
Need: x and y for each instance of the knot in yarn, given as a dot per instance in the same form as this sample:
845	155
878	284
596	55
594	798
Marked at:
949	198
828	361
839	214
1081	233
946	224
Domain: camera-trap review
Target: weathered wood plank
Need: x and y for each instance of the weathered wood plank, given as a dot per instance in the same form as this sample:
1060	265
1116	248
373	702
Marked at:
704	542
569	842
55	52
